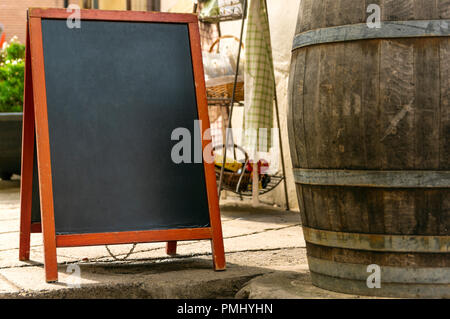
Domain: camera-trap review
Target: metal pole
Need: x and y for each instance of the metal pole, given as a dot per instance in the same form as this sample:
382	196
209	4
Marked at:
222	169
281	150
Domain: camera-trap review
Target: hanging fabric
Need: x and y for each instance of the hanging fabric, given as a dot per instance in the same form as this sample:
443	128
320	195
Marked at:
259	81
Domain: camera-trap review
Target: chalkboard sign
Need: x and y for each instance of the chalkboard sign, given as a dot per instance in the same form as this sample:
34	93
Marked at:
104	100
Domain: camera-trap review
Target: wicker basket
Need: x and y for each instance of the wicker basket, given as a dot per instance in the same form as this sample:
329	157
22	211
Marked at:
231	180
225	91
237	182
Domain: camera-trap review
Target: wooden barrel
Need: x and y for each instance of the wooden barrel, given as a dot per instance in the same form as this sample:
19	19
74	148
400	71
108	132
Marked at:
369	130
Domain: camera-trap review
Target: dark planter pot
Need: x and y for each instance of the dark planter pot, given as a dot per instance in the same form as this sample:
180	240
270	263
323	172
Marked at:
10	144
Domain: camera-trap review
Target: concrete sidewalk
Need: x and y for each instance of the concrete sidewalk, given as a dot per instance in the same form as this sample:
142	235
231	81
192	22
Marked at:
265	252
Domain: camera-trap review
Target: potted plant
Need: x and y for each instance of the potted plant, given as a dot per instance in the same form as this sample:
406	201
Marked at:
12	64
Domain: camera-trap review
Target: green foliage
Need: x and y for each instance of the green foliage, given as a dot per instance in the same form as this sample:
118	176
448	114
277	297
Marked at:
12	66
11	86
13	51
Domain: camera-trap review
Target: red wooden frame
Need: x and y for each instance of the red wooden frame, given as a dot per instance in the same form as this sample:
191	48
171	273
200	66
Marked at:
36	124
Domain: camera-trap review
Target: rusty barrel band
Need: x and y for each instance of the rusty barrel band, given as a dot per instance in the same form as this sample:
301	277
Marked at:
388	274
361	31
377	242
372	178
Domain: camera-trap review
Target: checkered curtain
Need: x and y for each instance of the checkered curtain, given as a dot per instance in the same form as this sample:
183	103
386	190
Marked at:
259	81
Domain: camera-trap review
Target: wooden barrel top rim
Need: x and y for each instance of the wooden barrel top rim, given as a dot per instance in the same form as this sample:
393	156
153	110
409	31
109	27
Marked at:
378	242
373	178
360	31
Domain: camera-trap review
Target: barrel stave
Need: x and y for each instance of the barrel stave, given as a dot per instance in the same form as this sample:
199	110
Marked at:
315	14
376	210
374	104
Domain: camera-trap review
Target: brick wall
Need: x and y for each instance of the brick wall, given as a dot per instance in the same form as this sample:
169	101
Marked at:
13	15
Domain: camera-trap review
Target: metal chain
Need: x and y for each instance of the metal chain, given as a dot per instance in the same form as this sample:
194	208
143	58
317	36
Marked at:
127	255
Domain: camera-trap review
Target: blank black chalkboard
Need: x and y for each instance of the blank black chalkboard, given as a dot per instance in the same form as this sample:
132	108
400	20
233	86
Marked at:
115	92
102	105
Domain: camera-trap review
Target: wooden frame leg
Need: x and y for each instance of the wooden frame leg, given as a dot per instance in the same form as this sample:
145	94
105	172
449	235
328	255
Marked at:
171	248
26	188
25	205
25	230
43	150
218	250
218	254
50	261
